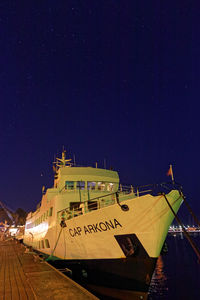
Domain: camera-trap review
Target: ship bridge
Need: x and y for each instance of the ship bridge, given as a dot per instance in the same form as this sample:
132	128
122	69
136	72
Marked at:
87	178
74	185
83	178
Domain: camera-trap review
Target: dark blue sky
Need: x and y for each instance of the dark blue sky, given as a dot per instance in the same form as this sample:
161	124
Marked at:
114	80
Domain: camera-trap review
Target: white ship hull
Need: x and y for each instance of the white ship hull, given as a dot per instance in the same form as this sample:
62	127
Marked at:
88	221
113	246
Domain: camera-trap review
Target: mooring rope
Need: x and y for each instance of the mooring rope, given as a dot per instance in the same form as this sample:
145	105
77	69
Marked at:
189	208
55	245
196	250
63	225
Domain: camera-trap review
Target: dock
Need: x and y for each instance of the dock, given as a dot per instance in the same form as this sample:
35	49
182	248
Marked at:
23	275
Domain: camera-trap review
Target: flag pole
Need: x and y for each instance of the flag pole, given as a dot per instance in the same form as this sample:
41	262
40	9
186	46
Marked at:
172	173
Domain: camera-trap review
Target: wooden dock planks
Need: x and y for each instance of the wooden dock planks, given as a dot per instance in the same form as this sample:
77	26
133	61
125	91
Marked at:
24	277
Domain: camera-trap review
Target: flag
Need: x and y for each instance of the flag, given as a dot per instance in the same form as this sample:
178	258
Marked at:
170	172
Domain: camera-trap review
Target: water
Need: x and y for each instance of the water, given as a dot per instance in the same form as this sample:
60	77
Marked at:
177	275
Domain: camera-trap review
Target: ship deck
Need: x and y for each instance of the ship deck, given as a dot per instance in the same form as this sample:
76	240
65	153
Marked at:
23	275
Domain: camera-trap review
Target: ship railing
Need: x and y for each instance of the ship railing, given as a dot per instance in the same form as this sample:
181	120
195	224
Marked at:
116	197
136	190
89	205
153	189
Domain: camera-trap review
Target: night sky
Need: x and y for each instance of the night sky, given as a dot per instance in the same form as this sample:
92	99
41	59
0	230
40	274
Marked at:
113	81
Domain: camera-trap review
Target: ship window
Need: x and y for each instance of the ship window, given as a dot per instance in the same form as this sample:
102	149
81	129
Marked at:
101	186
42	242
91	185
110	187
50	211
80	185
39	244
47	245
69	185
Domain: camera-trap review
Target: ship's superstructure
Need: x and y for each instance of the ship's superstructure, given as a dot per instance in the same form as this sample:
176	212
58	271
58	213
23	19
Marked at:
89	220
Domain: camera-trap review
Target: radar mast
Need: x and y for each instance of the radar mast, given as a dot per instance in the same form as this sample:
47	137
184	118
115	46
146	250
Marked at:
62	162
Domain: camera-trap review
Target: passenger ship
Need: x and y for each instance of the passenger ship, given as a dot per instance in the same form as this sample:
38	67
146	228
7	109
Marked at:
112	234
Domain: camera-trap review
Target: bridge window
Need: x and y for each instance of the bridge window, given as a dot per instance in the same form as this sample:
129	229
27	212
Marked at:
91	185
69	185
101	186
110	187
80	185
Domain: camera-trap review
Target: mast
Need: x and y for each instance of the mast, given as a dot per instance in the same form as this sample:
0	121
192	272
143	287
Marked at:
58	164
62	162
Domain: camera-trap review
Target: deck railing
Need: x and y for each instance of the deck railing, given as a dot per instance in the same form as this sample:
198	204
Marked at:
115	198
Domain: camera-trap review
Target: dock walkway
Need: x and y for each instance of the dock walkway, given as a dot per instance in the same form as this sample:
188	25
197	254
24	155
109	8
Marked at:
24	276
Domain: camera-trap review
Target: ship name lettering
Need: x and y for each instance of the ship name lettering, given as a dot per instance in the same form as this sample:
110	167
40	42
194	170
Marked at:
117	223
86	229
75	231
96	228
93	228
101	226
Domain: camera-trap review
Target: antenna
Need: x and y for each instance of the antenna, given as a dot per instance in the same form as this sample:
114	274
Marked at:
104	163
74	160
63	162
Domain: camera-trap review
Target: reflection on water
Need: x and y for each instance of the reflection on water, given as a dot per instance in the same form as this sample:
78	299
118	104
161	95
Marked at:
177	274
158	287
